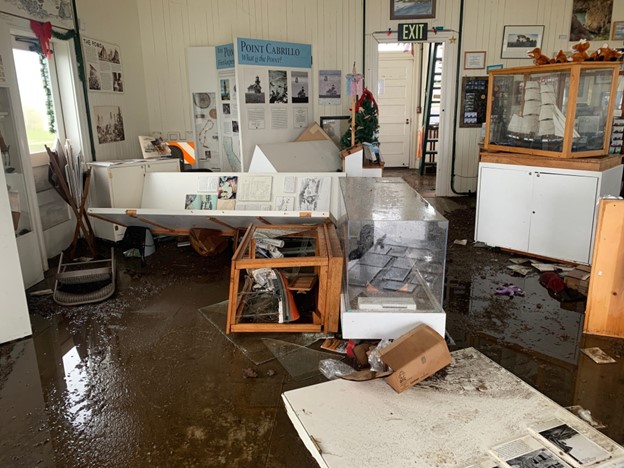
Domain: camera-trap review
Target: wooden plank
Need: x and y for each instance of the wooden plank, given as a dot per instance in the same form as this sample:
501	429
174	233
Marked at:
334	281
590	164
275	327
605	302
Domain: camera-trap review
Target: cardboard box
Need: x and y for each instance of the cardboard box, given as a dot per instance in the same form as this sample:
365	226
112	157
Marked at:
418	354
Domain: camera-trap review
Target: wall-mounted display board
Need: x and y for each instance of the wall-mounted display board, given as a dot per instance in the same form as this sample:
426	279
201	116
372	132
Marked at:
230	141
274	83
473	101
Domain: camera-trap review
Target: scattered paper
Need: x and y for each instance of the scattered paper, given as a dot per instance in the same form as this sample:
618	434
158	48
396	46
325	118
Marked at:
42	292
545	267
460	242
598	355
521	270
336	345
520	261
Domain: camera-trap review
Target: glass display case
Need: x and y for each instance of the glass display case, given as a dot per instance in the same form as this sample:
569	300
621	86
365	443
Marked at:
394	243
559	110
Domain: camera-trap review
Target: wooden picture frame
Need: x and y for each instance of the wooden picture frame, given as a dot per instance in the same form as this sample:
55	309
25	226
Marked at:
412	9
335	126
617	31
518	40
474	60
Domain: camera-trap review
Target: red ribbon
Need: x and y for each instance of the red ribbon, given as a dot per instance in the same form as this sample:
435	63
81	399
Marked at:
43	31
366	94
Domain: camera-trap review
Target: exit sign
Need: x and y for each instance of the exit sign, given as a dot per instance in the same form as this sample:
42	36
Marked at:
412	32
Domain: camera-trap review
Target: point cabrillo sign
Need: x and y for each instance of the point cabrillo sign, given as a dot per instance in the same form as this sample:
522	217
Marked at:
271	53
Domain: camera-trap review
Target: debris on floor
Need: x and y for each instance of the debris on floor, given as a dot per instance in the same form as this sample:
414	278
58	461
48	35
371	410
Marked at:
510	290
521	269
336	345
586	416
249	373
460	242
598	355
578	279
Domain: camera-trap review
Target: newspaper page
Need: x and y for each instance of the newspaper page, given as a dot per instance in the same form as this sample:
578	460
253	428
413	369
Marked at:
103	66
526	452
569	444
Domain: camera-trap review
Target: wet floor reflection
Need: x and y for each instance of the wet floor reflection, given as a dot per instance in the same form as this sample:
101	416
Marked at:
539	339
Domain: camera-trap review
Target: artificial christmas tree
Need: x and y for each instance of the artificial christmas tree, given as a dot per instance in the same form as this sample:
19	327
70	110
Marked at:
366	122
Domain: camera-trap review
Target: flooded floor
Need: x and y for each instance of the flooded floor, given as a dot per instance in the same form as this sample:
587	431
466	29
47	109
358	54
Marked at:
145	379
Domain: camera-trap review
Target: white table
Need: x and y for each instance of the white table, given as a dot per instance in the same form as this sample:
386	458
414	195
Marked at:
442	422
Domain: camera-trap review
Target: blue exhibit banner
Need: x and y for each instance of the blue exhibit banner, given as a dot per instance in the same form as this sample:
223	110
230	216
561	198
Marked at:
270	53
225	56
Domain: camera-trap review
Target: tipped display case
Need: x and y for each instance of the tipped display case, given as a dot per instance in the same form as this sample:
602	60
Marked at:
394	244
559	110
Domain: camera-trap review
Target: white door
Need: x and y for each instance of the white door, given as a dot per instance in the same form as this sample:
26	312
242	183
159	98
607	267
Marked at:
395	88
503	207
17	169
563	216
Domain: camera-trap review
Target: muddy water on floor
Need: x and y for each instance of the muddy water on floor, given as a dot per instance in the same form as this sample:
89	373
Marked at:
144	379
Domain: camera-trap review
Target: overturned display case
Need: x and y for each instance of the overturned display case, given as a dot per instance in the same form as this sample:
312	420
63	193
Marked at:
286	278
394	243
559	110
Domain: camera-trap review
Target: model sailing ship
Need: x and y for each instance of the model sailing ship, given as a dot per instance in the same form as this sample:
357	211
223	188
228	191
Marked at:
541	119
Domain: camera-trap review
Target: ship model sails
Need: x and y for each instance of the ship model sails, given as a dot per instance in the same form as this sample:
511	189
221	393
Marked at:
541	118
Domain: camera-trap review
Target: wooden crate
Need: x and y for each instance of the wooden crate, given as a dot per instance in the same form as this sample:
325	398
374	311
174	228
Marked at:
605	302
326	262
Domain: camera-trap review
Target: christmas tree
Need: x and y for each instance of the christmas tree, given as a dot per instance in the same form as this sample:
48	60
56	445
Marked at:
366	122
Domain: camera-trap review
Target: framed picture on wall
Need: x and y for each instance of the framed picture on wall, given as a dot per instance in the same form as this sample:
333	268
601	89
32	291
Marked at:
617	34
412	9
474	60
518	40
335	126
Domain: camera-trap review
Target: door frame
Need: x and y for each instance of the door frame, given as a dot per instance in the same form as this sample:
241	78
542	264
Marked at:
447	102
411	160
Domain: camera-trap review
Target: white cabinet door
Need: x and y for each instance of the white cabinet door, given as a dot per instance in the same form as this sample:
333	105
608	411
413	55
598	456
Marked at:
563	216
503	211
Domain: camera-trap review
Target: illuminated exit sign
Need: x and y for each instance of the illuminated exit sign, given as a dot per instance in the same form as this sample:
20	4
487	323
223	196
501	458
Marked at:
412	32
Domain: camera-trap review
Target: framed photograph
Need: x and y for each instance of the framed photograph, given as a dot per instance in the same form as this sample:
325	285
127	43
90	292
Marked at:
591	20
617	33
518	40
474	60
335	127
412	9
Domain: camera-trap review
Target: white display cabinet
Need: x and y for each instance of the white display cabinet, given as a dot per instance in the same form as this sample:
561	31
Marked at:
394	244
548	212
119	184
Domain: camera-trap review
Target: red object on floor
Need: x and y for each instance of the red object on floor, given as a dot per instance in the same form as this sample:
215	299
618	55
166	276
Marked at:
552	281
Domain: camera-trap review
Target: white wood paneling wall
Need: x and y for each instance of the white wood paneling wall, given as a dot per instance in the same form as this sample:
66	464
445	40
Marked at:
116	21
484	21
168	27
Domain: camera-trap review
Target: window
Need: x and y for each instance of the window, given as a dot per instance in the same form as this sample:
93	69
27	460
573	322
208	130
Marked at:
36	98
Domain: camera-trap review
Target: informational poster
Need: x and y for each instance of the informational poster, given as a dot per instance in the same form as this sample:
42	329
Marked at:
206	129
473	101
300	117
256	118
300	87
279	117
109	124
103	66
329	87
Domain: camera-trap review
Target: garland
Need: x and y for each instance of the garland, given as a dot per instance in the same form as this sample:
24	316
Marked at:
45	77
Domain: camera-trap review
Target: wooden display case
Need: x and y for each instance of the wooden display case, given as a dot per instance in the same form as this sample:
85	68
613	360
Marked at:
559	110
311	268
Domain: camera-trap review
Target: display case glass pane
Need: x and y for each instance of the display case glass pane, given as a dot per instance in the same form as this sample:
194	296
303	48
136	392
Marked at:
590	118
12	166
529	110
394	244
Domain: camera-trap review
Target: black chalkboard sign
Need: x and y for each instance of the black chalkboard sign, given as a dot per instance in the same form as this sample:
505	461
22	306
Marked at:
473	101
